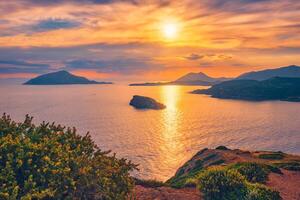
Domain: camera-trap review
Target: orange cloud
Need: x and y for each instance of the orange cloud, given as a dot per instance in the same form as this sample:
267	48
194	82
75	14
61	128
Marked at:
241	35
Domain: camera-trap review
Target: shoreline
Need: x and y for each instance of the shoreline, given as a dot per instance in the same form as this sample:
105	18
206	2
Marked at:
285	177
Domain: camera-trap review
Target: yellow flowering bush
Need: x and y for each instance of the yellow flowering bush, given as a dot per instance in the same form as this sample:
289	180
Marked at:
50	161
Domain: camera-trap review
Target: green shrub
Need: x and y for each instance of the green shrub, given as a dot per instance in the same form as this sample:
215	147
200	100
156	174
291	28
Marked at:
149	183
219	183
200	152
274	169
180	179
222	148
228	184
209	157
272	156
261	192
51	162
253	172
293	166
217	162
183	180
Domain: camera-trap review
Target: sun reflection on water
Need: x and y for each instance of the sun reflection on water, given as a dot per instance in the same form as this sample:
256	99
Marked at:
171	137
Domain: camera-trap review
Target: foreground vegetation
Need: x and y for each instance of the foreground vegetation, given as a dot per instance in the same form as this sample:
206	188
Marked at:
229	184
223	173
49	161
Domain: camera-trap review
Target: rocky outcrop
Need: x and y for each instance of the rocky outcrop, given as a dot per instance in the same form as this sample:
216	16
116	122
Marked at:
142	102
284	175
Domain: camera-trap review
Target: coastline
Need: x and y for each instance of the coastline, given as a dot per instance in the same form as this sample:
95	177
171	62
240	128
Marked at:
285	177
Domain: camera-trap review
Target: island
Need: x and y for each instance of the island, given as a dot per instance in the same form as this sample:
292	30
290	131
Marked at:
278	88
291	71
142	102
61	78
150	84
188	79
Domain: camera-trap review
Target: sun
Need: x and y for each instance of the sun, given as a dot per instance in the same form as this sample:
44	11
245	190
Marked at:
170	30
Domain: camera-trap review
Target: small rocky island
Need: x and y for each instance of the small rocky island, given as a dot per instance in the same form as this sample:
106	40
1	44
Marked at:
61	78
142	102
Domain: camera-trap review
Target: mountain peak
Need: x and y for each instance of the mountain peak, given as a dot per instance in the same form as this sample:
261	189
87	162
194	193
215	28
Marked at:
292	66
200	76
62	72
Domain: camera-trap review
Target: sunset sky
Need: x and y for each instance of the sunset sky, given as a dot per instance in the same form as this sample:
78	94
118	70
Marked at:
155	40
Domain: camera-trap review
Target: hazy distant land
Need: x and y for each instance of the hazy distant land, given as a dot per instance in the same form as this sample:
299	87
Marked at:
202	79
61	78
273	84
278	88
188	79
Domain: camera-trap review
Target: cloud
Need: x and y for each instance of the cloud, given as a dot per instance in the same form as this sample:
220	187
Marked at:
93	35
38	26
209	56
53	24
17	66
193	56
122	66
55	2
21	63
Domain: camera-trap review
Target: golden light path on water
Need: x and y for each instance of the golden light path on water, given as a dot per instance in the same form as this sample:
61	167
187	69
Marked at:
171	137
160	141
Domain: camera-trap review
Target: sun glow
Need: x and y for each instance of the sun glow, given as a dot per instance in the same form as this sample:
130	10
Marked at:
170	30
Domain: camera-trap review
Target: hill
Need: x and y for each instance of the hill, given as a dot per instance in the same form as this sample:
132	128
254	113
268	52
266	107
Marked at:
188	79
199	77
61	78
276	170
278	88
291	71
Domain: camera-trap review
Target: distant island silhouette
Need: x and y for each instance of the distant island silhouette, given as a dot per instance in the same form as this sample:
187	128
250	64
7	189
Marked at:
272	84
188	79
278	88
292	71
61	78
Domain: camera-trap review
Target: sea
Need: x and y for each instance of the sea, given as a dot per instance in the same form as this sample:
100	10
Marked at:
160	141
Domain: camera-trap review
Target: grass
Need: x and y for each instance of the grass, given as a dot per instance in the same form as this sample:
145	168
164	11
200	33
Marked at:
180	180
211	156
151	183
292	166
272	156
253	172
217	162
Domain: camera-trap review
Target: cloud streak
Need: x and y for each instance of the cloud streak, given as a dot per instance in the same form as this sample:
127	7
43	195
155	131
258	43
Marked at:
125	37
54	24
17	66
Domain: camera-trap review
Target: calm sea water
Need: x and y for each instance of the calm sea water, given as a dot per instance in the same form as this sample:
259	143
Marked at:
160	141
